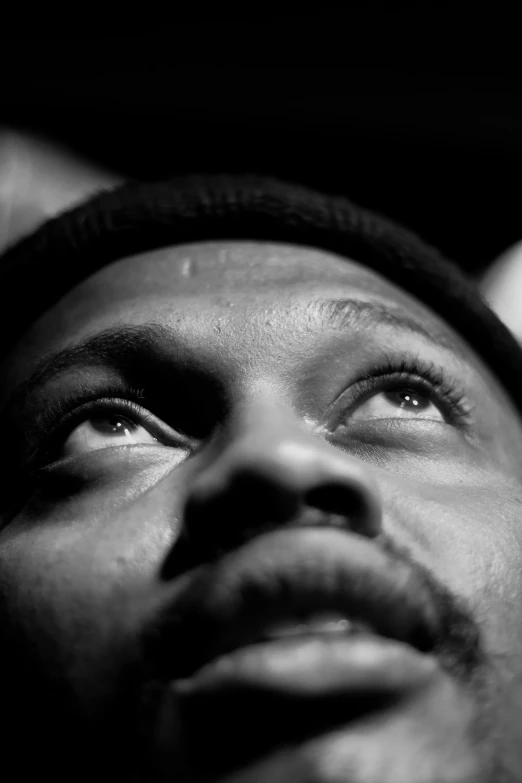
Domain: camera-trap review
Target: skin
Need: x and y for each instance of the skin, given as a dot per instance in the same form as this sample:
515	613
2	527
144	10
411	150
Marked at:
252	377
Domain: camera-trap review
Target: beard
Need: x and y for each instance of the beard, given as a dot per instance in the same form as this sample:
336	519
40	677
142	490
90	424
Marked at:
458	649
119	733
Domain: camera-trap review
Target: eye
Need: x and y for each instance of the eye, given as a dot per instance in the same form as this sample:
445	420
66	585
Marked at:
101	430
398	403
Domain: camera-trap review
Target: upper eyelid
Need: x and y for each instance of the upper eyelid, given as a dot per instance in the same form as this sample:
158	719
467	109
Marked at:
416	382
381	382
79	415
90	410
57	413
127	407
374	383
431	401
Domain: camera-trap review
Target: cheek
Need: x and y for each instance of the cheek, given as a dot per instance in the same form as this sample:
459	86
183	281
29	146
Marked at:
60	596
99	482
77	581
471	541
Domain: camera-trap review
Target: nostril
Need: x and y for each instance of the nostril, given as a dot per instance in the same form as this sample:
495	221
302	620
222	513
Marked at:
220	515
260	496
248	498
360	508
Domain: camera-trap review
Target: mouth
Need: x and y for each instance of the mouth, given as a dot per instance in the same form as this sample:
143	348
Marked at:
296	630
288	585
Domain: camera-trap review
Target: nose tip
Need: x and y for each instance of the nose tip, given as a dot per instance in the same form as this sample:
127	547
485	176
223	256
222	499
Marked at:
267	478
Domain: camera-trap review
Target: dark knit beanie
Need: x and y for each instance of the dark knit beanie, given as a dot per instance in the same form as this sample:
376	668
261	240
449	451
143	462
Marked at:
137	217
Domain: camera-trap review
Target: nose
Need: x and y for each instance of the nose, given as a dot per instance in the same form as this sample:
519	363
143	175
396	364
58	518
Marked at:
273	470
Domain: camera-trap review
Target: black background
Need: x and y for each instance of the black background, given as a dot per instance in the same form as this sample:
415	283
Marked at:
411	109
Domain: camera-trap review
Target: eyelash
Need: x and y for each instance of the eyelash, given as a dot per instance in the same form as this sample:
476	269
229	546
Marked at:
418	375
61	416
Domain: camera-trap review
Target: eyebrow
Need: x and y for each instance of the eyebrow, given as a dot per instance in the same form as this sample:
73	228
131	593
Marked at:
122	347
345	314
119	347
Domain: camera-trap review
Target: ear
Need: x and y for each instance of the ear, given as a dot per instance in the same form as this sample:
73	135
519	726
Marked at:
38	179
502	288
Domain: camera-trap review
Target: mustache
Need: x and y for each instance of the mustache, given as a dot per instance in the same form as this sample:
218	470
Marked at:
458	644
459	640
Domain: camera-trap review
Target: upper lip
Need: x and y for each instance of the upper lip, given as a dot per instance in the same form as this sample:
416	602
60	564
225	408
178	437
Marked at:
283	575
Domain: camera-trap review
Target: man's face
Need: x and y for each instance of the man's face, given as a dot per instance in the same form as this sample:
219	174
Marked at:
261	523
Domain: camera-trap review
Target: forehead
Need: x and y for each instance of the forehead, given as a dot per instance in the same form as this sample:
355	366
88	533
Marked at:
189	284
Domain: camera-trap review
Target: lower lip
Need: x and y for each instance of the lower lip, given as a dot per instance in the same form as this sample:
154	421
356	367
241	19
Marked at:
244	705
316	665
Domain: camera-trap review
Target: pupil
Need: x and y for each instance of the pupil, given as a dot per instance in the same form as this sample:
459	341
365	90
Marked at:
408	399
112	425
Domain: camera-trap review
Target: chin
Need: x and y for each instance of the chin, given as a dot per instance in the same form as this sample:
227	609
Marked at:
357	757
424	735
